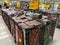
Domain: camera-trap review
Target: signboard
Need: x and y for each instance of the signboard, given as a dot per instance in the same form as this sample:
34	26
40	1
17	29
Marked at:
33	5
6	1
34	0
46	5
59	6
40	5
18	4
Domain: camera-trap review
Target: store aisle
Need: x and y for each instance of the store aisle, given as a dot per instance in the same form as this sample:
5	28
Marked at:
56	40
5	36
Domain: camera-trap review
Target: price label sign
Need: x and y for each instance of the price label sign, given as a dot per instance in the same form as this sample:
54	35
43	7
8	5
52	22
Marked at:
18	4
6	1
33	5
46	5
40	5
34	0
59	6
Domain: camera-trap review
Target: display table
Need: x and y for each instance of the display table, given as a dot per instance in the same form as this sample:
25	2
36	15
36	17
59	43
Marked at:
53	22
26	31
56	13
58	19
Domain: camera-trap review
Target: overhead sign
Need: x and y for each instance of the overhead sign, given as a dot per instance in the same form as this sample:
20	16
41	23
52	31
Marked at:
59	6
6	1
33	5
40	5
34	0
46	5
18	4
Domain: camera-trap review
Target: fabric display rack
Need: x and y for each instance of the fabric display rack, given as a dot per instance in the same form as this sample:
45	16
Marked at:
53	21
30	31
58	20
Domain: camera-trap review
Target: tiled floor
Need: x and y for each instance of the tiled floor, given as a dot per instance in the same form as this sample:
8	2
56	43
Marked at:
6	38
56	40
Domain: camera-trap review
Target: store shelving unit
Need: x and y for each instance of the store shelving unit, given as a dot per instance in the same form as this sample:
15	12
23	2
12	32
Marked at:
28	32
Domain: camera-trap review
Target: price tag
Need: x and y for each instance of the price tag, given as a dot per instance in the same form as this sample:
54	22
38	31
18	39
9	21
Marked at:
33	5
